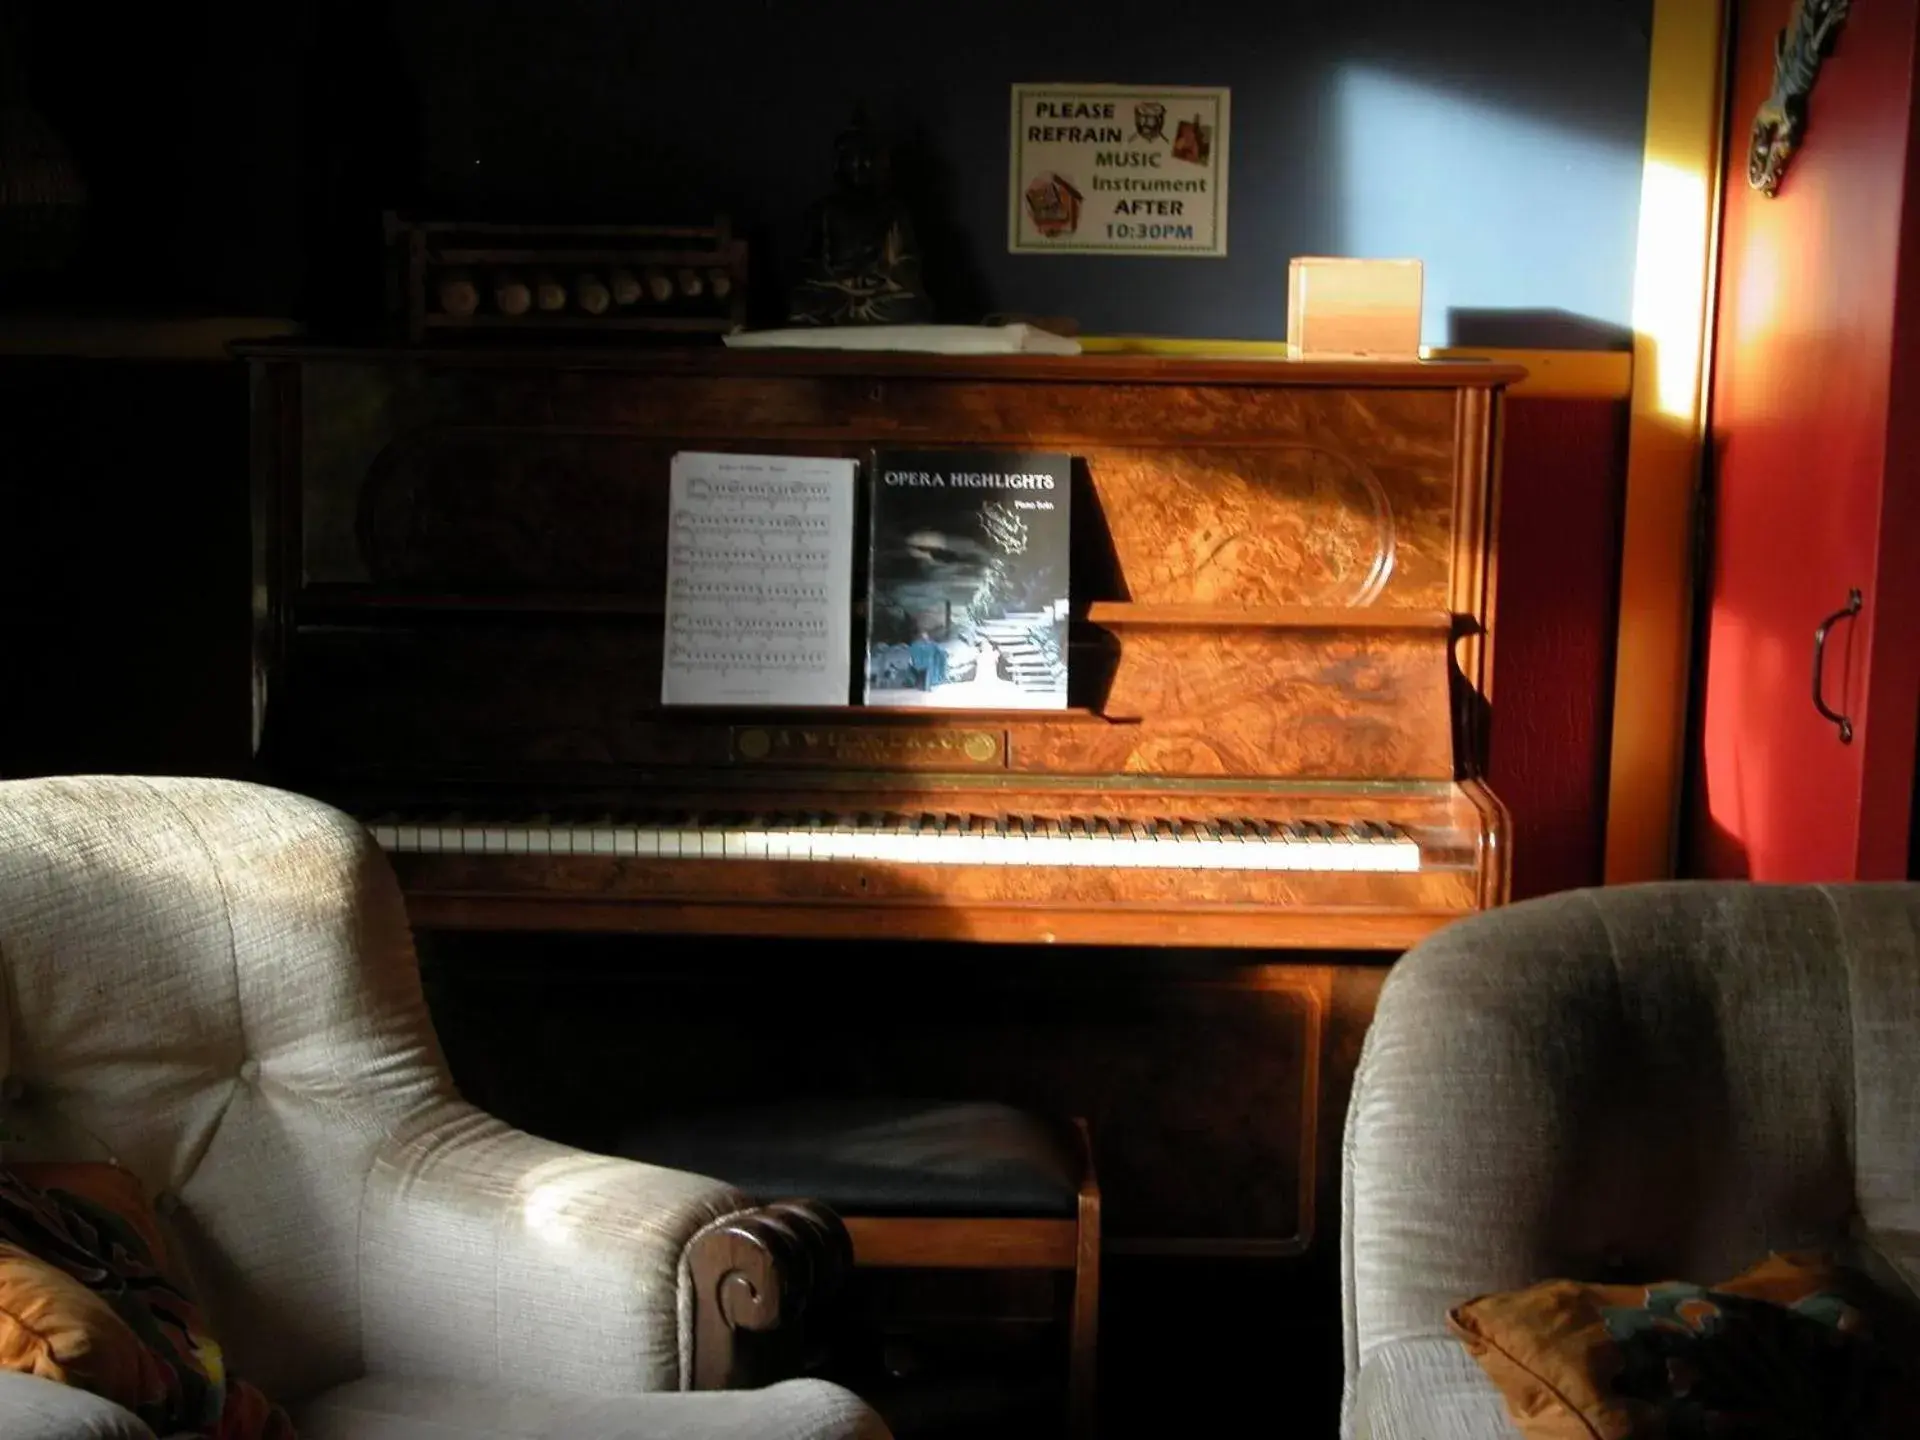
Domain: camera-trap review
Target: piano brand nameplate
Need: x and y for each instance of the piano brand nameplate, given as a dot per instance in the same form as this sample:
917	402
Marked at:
860	747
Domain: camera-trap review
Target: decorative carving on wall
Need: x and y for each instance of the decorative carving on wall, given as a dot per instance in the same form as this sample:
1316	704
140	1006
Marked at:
1779	125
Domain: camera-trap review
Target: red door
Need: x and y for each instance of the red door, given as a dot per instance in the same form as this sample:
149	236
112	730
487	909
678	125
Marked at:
1815	417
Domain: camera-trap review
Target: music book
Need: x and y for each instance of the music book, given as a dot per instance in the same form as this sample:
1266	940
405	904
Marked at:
759	580
968	571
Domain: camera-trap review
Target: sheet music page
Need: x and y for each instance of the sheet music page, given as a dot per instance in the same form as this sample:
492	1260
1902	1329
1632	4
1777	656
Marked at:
759	580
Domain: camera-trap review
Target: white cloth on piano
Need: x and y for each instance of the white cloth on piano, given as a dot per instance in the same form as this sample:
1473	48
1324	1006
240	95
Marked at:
1016	339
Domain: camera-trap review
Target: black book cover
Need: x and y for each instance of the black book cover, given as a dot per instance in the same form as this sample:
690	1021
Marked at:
967	591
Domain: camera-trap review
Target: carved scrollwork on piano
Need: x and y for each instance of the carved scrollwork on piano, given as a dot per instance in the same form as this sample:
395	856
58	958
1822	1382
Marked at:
1293	525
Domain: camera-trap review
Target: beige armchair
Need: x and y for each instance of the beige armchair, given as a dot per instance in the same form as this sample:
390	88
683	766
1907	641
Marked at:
214	984
1646	1082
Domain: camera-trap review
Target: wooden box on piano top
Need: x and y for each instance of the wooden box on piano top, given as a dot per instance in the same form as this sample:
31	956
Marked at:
1280	650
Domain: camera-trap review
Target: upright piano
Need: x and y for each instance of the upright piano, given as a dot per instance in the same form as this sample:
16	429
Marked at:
1166	908
1280	650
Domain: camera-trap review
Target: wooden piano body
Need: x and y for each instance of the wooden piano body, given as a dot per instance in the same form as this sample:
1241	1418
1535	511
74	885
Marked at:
1282	578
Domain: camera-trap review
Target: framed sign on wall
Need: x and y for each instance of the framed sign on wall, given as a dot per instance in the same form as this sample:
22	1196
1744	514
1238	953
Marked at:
1118	169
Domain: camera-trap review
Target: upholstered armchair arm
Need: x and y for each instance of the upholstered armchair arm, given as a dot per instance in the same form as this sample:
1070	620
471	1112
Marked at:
1427	1390
1891	1258
35	1409
1463	1139
492	1256
1483	1148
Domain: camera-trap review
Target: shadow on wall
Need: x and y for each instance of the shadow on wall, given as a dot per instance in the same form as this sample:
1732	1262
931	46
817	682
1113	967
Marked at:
1561	501
1533	330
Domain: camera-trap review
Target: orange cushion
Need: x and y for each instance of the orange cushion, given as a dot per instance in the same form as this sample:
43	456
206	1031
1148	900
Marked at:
1793	1341
89	1224
56	1328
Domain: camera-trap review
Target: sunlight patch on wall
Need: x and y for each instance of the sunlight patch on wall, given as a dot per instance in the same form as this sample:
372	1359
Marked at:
1509	212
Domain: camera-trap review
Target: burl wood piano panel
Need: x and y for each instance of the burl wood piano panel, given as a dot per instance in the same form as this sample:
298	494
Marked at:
478	574
1235	496
492	693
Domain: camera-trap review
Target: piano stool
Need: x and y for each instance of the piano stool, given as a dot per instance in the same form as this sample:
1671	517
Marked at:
920	1185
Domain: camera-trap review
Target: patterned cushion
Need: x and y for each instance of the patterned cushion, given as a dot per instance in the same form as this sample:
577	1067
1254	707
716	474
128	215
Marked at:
1795	1346
82	1264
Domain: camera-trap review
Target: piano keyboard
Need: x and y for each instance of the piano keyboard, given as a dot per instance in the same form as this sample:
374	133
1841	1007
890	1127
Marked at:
1104	841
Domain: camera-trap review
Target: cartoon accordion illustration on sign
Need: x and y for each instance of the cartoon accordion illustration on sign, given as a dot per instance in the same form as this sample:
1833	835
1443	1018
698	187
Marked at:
1054	205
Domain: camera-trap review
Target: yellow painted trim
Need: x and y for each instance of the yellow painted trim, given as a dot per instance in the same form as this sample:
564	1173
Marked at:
105	337
1559	374
1551	374
1673	327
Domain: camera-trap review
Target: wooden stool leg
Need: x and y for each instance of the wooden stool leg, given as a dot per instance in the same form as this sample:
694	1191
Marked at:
1084	1330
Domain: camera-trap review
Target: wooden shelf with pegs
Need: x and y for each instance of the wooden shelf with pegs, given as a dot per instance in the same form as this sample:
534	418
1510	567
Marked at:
472	280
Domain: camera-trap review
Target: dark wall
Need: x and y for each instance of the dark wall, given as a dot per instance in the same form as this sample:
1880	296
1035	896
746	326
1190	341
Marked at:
246	151
124	589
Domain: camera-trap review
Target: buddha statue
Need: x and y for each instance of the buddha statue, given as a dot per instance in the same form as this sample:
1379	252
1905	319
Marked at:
861	265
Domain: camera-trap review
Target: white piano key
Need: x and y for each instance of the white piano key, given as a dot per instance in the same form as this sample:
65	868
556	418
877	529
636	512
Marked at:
936	839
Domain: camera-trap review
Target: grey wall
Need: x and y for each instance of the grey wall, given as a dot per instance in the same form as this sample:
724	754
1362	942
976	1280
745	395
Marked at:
1497	140
240	155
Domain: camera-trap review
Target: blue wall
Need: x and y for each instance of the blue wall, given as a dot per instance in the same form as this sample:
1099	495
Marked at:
1497	140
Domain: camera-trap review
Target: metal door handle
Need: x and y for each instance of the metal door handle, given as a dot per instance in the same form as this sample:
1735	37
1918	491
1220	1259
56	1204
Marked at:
1845	612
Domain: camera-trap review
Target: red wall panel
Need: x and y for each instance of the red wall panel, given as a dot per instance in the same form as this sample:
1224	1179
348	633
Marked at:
1817	341
1555	617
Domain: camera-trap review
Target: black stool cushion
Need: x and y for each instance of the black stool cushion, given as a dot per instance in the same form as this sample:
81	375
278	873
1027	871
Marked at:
876	1157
